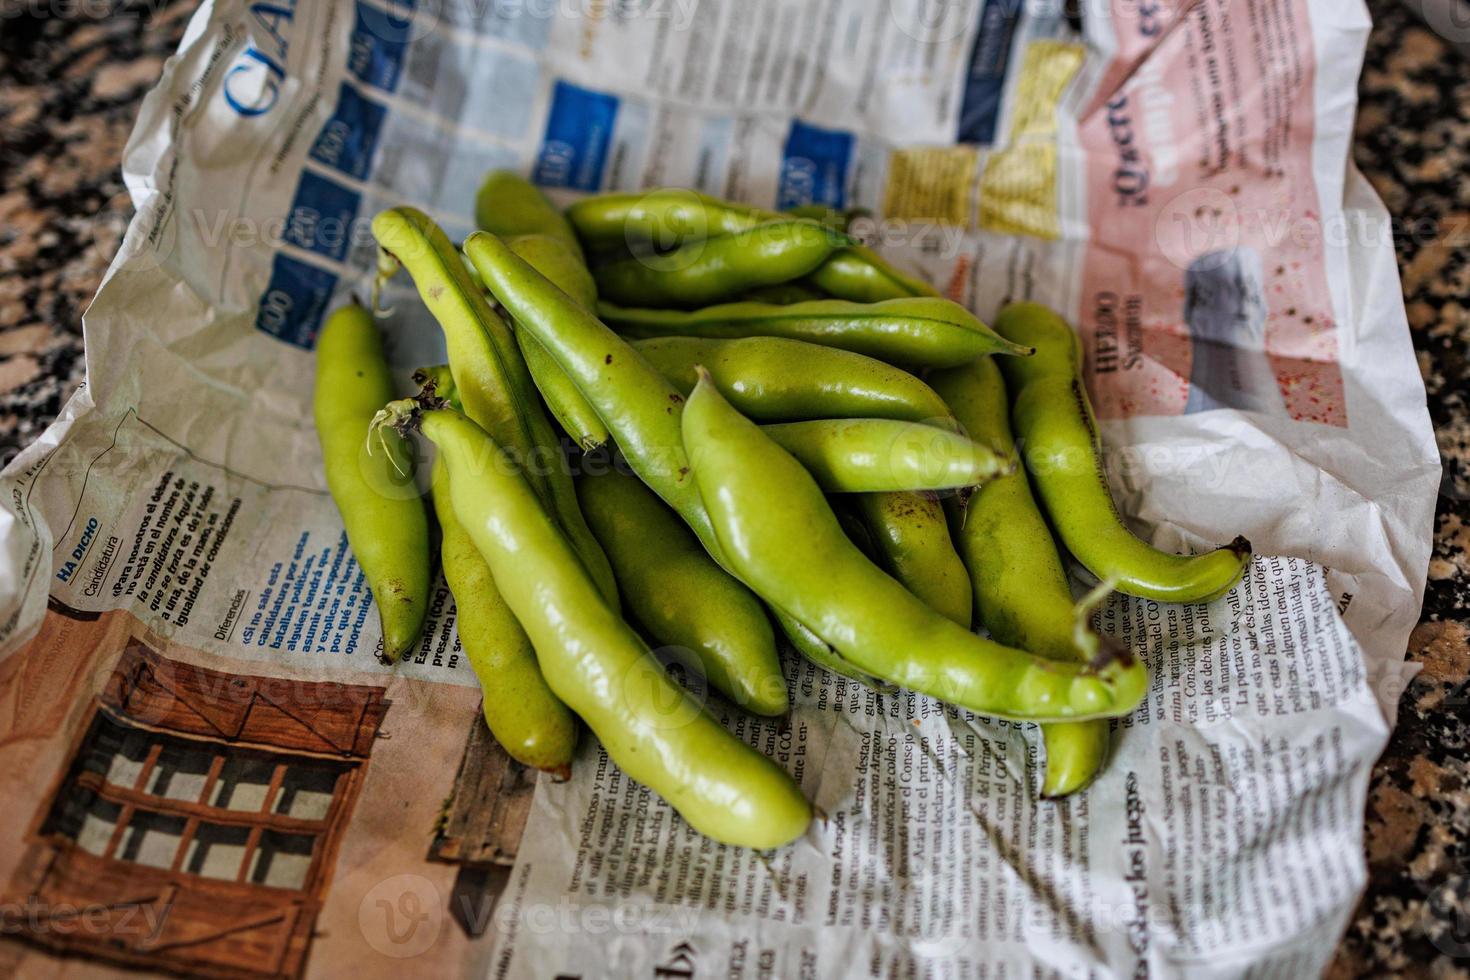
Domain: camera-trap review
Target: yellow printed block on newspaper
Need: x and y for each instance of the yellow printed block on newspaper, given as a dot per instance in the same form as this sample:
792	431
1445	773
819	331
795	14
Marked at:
1018	195
1018	192
931	184
1046	71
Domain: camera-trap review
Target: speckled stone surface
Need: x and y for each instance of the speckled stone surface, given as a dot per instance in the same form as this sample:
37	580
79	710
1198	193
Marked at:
69	91
1413	143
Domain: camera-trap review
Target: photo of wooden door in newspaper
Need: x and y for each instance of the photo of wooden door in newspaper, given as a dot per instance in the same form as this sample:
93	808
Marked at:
198	819
481	827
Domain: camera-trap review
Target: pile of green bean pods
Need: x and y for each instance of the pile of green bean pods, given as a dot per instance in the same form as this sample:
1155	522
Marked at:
766	430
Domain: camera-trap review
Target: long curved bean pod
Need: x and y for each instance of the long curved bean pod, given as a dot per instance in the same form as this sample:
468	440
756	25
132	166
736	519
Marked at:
915	332
490	376
772	379
876	455
709	270
567	272
671	217
782	539
510	205
1021	591
387	527
677	592
1053	422
661	218
594	661
639	407
909	532
526	719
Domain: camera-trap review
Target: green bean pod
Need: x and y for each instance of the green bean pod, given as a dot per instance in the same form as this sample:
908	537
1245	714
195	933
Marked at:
678	594
773	379
1057	431
482	357
508	205
860	275
490	376
1021	591
919	332
663	218
872	455
780	536
814	648
594	661
639	407
671	217
911	537
559	264
564	269
386	525
567	405
526	719
714	269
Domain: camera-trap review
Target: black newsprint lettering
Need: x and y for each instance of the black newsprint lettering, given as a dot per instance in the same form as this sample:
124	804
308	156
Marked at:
1130	174
227	625
1117	332
1135	853
101	565
1105	332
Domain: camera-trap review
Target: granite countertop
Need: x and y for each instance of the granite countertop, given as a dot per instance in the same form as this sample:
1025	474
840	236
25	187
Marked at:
69	92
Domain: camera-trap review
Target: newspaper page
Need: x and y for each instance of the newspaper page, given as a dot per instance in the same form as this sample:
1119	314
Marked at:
210	773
